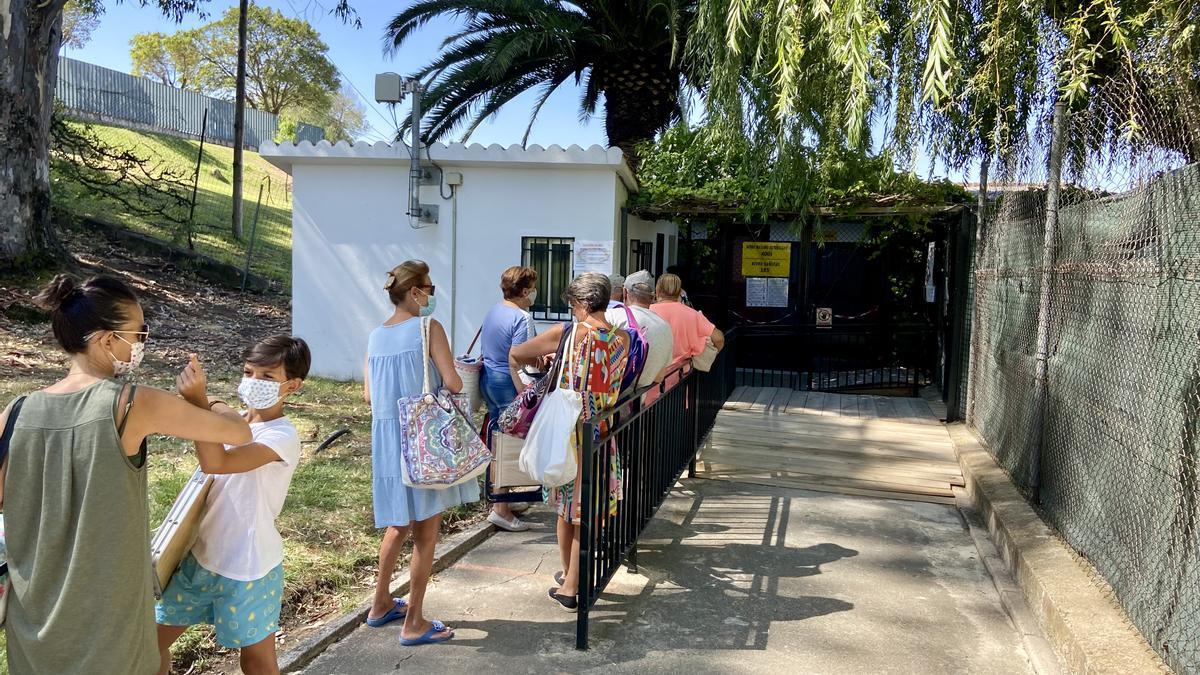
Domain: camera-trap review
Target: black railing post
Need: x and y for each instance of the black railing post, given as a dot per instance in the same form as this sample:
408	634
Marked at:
693	385
587	518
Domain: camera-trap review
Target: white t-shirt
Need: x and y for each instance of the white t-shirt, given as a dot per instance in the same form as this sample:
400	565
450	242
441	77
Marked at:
657	333
237	536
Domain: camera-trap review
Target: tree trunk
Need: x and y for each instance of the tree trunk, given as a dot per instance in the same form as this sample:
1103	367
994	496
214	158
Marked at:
30	34
239	122
640	98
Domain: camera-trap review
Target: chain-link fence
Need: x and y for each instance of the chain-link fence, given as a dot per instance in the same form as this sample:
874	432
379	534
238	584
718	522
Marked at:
1085	363
176	190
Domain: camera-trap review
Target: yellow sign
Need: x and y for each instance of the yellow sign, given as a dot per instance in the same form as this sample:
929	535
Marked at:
763	259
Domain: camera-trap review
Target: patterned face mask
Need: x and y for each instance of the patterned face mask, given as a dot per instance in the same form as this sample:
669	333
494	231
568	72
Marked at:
137	351
259	394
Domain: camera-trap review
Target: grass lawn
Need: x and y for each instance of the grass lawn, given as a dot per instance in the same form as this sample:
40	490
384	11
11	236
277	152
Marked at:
212	225
327	523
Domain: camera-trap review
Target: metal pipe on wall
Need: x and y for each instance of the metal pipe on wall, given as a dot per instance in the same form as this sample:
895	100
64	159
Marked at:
414	167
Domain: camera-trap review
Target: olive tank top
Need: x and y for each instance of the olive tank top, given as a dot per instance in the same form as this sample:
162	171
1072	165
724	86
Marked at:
77	526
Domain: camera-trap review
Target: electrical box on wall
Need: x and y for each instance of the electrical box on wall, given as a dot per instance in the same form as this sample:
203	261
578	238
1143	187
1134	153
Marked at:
454	178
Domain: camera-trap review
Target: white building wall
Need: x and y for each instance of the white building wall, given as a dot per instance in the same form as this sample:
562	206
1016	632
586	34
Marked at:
648	230
499	206
350	228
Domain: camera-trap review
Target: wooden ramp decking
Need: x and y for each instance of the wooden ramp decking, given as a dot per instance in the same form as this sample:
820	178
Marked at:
872	446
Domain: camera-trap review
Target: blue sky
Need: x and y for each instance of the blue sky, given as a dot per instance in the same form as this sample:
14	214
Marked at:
358	54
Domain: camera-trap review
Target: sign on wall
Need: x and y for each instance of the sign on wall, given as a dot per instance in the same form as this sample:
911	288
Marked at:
930	287
766	259
766	292
593	256
824	317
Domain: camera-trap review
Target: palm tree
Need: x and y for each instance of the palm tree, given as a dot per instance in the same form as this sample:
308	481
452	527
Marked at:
628	51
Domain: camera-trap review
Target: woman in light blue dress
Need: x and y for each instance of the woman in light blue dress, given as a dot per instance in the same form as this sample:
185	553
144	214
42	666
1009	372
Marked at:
393	371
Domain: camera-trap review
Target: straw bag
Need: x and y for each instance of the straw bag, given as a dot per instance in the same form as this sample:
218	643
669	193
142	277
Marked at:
548	456
470	369
439	447
506	471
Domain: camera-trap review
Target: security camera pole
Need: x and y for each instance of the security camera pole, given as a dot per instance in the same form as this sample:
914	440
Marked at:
391	88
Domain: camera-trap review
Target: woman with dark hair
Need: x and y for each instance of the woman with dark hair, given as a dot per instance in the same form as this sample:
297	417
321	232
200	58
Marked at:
507	323
73	488
594	365
394	370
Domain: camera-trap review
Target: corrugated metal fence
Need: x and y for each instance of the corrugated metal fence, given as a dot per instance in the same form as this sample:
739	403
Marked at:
112	96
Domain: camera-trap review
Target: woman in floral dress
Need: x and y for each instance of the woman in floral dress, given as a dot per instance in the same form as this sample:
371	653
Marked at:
594	364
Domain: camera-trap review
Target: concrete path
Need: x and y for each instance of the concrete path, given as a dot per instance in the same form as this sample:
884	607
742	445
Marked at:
731	579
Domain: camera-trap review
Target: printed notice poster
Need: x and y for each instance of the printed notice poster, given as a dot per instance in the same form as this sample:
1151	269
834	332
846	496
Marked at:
766	259
930	287
593	256
766	292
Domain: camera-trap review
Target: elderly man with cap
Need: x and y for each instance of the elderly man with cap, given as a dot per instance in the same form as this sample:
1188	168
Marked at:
637	292
617	281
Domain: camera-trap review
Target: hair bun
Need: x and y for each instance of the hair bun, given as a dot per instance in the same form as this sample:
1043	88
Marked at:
58	292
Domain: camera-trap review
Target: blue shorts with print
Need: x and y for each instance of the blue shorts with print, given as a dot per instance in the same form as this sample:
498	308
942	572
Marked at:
243	612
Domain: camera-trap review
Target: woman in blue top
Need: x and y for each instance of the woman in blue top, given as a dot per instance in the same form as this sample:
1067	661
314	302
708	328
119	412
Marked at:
508	323
394	370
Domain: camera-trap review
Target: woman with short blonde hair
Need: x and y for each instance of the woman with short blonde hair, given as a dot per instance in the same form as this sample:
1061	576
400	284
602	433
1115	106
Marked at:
689	327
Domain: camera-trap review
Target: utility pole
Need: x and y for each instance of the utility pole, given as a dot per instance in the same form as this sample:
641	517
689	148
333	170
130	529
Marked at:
239	119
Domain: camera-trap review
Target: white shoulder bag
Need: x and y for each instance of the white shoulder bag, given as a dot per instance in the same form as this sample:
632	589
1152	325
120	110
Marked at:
548	456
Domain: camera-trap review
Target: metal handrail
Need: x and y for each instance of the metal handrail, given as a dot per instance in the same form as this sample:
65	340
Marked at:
655	443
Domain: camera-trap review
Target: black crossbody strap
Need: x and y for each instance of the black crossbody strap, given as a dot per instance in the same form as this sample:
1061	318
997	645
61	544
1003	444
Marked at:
128	407
9	425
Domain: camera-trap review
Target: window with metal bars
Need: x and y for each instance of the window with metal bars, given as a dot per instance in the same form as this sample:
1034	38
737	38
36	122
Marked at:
552	258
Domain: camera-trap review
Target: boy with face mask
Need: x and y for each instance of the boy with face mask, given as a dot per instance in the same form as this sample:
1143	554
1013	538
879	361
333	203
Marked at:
233	578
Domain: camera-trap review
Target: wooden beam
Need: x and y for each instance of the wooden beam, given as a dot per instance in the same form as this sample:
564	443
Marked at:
838	489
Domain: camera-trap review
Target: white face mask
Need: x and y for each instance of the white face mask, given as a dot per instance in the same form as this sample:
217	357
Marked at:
137	351
259	394
532	296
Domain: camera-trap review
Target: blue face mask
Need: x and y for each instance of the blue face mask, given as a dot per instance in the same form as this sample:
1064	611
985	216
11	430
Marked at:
427	310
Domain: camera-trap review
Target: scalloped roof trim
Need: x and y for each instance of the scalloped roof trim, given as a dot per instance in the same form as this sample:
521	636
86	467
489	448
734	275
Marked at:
596	154
286	153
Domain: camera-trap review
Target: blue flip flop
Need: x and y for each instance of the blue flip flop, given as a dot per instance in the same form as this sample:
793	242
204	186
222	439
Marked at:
428	638
398	611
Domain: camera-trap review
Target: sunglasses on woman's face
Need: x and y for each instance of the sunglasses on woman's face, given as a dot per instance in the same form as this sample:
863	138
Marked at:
142	335
431	290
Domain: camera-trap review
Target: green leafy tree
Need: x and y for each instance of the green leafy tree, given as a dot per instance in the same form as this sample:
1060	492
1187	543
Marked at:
628	52
344	119
30	39
173	60
80	18
286	62
967	79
